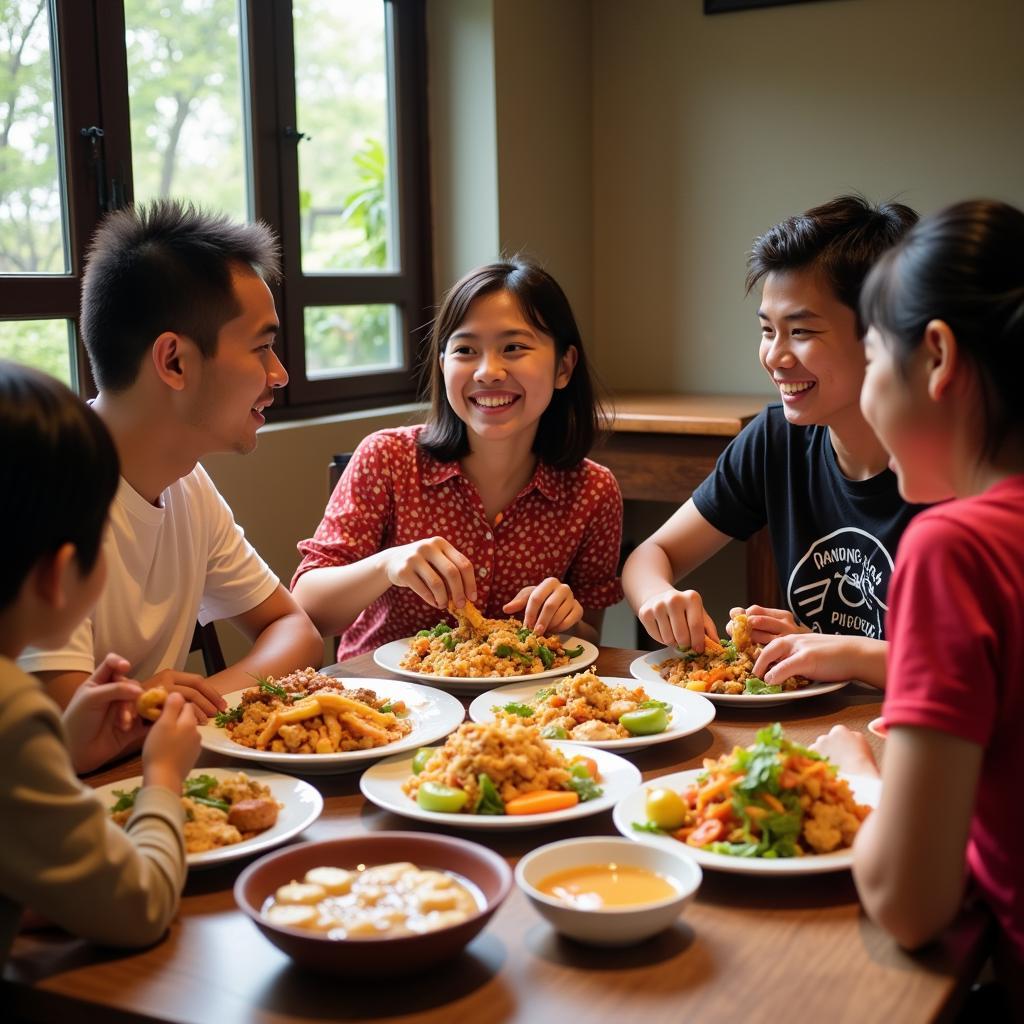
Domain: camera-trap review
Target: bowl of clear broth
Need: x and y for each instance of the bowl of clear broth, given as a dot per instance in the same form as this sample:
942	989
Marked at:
605	891
377	904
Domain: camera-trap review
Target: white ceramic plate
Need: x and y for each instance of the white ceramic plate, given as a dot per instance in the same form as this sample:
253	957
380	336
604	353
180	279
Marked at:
302	806
633	808
433	714
690	711
382	785
643	669
389	655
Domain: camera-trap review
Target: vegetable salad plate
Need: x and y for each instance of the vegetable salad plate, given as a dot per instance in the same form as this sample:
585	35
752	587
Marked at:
433	714
643	668
632	808
390	656
301	804
689	712
382	785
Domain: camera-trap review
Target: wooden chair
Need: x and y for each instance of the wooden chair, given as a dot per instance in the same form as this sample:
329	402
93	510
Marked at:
335	469
204	639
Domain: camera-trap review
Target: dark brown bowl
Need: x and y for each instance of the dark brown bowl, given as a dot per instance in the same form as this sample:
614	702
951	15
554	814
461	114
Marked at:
401	955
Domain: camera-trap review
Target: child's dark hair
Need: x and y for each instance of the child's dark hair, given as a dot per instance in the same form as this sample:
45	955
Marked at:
570	425
964	266
162	267
841	239
58	474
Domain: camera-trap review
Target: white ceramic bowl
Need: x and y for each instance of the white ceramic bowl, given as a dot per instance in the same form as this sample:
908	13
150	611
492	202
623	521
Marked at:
616	926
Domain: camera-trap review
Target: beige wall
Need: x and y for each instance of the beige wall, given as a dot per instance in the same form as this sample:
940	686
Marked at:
706	130
637	148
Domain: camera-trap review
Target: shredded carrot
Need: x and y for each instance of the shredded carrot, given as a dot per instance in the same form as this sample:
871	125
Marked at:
541	801
717	673
774	803
711	790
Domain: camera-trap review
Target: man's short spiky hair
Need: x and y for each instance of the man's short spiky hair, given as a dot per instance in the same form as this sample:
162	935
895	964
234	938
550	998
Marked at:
841	239
165	266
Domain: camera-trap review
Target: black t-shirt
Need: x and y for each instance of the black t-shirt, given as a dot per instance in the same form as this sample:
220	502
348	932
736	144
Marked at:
834	539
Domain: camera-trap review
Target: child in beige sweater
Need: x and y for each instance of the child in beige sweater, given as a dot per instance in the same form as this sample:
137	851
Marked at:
62	857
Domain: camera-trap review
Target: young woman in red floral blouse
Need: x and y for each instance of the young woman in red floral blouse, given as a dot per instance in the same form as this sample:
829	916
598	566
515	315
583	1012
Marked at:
493	499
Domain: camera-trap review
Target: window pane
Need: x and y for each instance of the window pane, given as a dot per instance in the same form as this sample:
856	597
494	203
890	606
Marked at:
341	97
188	118
346	340
45	344
33	232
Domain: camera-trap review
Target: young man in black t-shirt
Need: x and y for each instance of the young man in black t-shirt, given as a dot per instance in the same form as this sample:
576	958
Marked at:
810	468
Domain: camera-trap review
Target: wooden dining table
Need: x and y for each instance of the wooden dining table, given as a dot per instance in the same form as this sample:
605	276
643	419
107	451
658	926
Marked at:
749	948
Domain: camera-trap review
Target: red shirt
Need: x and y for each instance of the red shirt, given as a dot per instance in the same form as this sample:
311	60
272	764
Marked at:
956	664
565	523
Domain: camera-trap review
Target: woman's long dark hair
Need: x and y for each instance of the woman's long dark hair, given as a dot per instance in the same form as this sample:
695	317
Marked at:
964	266
571	423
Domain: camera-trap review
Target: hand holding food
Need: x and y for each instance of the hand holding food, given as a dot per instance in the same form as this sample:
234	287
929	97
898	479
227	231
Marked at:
548	607
199	692
100	720
819	656
677	618
433	569
150	704
172	746
765	624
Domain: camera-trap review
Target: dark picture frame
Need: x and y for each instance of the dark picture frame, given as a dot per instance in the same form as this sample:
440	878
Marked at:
728	6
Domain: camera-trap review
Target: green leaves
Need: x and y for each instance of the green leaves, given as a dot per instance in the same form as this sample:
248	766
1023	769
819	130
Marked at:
584	786
546	657
759	686
573	652
223	718
489	799
125	799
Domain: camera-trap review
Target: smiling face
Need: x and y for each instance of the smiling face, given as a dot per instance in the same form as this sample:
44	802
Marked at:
810	348
500	371
915	429
238	381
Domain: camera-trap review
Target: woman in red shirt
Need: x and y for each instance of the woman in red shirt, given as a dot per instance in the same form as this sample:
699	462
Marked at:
492	500
945	360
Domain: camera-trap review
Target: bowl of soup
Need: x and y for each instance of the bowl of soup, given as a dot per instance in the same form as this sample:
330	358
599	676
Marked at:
372	905
605	891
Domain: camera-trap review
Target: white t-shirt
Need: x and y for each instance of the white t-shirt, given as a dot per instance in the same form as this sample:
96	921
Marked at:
166	567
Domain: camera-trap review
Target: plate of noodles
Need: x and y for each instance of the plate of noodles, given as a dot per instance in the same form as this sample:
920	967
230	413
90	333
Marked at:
773	808
315	723
478	653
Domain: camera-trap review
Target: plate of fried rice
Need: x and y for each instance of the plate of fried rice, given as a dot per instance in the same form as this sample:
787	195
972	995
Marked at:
592	709
516	764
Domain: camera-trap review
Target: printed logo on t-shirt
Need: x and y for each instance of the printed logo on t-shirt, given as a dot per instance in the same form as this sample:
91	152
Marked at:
839	584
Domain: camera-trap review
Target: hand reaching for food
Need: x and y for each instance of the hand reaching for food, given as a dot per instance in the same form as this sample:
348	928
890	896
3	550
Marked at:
94	720
547	608
849	751
823	657
199	692
767	623
432	569
677	618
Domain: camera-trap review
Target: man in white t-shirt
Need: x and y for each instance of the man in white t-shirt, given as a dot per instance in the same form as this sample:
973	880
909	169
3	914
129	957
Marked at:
179	324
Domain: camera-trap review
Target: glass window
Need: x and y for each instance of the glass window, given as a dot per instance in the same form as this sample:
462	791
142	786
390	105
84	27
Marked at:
44	344
342	106
33	224
185	91
344	340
